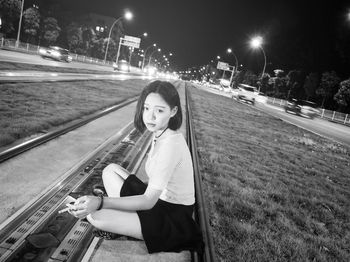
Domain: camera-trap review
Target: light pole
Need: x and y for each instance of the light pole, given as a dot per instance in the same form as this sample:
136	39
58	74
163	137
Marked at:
19	25
256	42
127	16
144	54
229	50
150	57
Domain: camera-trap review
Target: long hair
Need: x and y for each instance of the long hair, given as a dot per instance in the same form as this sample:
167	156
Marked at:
170	95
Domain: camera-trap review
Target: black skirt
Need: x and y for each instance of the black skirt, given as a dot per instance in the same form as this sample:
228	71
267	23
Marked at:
167	226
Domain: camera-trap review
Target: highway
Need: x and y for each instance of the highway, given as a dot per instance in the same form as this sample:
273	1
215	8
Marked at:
336	132
10	56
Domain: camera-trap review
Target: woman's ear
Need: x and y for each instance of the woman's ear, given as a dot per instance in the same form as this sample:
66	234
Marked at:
173	111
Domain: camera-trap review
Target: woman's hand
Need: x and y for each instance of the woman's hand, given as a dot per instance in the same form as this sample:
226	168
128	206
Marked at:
85	205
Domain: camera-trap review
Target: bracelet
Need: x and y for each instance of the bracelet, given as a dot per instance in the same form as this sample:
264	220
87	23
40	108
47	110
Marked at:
101	202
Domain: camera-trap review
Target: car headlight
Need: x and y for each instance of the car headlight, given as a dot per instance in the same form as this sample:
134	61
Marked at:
42	51
124	67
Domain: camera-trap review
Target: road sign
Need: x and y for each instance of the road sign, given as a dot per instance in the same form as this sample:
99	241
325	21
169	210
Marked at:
223	66
132	39
130	43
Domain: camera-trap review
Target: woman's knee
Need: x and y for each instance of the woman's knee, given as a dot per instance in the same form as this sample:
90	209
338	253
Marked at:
114	169
110	170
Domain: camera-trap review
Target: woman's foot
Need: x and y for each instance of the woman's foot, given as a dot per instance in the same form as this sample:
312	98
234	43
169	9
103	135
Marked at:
105	234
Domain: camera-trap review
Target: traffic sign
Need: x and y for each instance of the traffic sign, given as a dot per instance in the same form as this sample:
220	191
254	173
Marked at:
223	66
132	39
130	43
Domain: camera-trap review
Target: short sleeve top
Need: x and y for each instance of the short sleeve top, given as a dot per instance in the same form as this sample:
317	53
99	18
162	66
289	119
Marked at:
169	168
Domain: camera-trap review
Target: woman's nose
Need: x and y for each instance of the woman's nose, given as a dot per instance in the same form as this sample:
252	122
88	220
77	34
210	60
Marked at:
151	115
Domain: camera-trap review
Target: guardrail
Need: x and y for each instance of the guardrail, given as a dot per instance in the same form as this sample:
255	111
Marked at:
325	113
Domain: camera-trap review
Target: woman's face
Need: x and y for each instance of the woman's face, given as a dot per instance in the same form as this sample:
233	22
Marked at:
156	112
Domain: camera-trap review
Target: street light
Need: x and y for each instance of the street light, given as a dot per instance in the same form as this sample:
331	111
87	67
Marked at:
144	54
256	42
128	16
150	57
229	50
19	25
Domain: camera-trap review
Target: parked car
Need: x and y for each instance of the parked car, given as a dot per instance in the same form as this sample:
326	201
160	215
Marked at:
303	108
56	53
247	93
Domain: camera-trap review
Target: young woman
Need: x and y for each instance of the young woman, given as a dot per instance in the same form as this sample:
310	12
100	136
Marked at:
160	213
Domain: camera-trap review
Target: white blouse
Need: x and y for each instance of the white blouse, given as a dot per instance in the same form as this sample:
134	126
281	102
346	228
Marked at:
169	168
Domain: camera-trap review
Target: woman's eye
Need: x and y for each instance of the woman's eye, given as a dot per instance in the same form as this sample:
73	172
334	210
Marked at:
145	108
160	111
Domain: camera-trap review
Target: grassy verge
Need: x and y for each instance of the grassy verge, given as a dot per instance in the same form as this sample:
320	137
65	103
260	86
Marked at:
22	66
275	192
28	108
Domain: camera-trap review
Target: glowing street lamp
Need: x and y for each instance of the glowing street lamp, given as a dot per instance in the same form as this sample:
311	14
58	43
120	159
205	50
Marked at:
128	16
144	54
150	57
255	43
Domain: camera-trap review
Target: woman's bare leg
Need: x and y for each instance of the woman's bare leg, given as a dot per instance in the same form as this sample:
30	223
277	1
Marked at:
113	177
115	221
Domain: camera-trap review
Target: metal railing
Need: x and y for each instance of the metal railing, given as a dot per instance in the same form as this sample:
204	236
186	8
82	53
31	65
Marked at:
325	113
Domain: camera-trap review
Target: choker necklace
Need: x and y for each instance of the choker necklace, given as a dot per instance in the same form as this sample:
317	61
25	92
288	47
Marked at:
156	137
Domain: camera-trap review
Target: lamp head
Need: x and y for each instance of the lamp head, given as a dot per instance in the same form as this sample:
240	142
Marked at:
128	15
256	42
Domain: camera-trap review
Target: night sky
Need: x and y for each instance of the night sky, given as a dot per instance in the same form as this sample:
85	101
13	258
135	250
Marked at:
297	34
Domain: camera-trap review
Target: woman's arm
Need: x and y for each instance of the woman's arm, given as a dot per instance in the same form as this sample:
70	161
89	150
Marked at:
87	204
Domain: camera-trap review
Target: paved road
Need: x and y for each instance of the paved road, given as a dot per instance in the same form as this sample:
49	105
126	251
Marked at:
10	56
334	131
16	75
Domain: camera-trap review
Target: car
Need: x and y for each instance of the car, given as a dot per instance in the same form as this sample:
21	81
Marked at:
303	108
261	98
150	70
247	93
225	85
56	53
122	65
292	107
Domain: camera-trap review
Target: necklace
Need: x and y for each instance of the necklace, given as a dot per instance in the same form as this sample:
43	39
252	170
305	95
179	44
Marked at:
156	137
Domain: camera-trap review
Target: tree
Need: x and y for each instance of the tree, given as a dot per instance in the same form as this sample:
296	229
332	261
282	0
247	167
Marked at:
343	95
51	30
10	11
74	36
328	86
31	22
294	84
264	82
310	85
250	78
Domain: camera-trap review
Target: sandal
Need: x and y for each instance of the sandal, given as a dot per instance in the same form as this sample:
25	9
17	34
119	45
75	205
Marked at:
105	234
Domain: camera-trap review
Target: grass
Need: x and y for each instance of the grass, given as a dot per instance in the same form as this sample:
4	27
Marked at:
28	108
274	192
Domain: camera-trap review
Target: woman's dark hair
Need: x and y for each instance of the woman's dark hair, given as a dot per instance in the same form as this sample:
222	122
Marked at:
170	95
